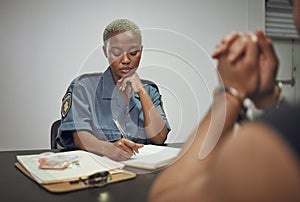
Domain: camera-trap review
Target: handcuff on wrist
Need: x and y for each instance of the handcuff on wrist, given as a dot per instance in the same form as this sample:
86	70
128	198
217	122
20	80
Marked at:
280	97
243	112
232	91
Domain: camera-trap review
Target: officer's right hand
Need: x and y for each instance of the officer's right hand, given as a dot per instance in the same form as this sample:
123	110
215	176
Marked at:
128	146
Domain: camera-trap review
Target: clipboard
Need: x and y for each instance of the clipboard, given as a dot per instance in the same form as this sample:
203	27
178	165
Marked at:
96	180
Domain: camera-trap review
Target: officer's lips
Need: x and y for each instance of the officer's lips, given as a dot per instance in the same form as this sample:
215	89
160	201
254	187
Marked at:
126	70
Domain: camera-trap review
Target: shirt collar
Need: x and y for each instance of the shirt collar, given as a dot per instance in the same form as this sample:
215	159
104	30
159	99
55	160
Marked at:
108	84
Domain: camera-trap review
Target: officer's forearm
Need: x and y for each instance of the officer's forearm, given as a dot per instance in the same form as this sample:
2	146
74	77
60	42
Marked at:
155	126
87	141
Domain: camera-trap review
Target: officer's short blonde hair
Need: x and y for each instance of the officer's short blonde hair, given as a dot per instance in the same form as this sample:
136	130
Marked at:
120	25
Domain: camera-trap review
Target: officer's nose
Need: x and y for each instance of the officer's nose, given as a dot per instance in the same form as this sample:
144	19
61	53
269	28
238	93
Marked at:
125	59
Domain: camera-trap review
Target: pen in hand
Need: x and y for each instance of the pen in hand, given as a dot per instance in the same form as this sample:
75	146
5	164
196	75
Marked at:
123	134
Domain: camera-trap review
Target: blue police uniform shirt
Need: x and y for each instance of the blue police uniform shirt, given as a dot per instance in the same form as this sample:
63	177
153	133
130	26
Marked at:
91	103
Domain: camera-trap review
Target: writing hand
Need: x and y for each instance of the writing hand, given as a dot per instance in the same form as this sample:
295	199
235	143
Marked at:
128	146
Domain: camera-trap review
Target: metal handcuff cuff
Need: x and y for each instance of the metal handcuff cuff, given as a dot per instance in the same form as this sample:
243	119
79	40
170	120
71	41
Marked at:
243	111
234	93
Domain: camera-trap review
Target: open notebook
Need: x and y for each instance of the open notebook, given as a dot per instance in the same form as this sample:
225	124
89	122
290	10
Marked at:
152	157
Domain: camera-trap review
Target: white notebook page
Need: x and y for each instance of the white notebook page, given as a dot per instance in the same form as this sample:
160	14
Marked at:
153	157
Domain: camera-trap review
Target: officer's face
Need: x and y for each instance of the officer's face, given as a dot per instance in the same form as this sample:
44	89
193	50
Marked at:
123	51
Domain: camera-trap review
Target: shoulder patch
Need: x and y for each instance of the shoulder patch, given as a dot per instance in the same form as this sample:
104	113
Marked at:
66	104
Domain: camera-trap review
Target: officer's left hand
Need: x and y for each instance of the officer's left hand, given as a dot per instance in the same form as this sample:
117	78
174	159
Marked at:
130	80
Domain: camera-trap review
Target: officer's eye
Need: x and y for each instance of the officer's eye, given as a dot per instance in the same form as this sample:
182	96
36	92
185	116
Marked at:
116	54
133	53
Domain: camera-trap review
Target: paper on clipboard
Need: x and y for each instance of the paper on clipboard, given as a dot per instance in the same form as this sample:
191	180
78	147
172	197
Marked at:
88	164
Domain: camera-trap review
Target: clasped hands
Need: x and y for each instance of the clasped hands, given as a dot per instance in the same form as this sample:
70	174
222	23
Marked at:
248	63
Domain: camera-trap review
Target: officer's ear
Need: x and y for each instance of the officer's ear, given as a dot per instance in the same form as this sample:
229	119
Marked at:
104	50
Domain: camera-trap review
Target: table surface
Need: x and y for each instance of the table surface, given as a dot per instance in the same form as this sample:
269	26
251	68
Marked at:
15	186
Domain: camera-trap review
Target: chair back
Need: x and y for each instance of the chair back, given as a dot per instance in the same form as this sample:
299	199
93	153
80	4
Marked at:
54	132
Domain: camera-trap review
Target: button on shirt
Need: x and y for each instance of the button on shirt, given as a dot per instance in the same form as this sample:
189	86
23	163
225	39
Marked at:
92	102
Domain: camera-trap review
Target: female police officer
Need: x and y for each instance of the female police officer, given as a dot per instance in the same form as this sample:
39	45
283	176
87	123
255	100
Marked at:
95	104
